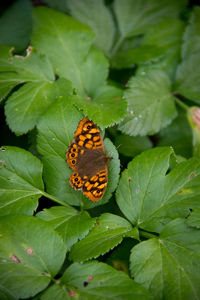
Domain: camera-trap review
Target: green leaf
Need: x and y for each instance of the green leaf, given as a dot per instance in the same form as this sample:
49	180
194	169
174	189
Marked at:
24	107
108	232
135	17
169	266
20	181
15	25
33	67
56	291
174	135
96	15
188	78
150	104
131	146
61	5
56	131
167	36
159	49
28	103
104	282
191	36
128	57
31	253
68	222
17	69
106	108
194	219
6	294
5	87
94	72
67	45
150	207
64	40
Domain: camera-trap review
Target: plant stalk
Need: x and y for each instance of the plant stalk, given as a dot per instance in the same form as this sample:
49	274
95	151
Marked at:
181	104
53	198
147	234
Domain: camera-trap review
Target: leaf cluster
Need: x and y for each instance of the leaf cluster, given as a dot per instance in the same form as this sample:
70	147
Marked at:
132	67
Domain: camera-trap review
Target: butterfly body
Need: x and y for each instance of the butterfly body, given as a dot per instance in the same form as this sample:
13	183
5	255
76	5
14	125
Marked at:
87	157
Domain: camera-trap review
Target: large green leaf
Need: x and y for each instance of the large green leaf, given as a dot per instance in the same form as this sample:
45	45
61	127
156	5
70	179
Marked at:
149	197
25	106
96	15
71	224
94	72
150	104
15	25
135	17
188	78
132	145
68	46
174	135
20	181
19	69
129	57
65	41
99	281
167	36
31	254
169	266
106	109
56	131
108	232
191	36
159	49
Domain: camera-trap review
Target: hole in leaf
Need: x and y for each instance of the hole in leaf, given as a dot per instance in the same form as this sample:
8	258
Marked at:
15	259
85	283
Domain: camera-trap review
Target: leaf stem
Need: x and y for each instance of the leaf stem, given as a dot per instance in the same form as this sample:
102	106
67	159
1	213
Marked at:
117	45
147	234
54	198
181	103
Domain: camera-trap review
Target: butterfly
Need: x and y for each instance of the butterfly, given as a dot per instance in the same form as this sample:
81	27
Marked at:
86	155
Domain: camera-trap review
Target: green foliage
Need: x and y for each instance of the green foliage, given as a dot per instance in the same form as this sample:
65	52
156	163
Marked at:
175	252
107	233
71	224
132	67
20	182
31	254
96	280
96	15
15	31
150	104
147	206
55	133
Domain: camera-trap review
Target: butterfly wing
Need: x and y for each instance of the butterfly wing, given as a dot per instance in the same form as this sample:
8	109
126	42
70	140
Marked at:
72	155
86	156
95	187
88	135
76	181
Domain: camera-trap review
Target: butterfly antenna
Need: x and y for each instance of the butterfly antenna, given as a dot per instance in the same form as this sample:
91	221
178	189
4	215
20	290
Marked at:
109	153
